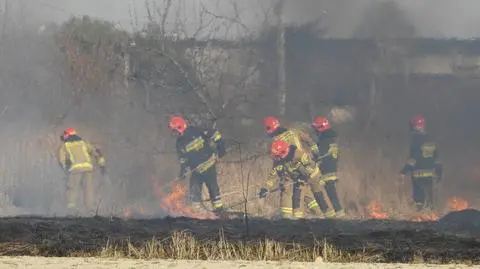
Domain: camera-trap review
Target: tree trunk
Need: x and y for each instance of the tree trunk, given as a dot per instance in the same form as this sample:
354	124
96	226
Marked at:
282	94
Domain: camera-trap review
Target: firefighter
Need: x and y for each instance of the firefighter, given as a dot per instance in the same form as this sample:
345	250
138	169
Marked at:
293	166
290	135
327	160
423	164
75	157
198	150
306	144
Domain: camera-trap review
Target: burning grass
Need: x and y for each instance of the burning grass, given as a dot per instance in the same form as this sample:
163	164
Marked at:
172	201
183	238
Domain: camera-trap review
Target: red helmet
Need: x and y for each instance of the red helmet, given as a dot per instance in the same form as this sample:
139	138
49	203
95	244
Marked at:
177	124
271	124
279	149
321	124
69	132
417	122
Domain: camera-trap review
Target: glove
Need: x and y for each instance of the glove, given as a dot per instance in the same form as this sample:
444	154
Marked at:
263	193
103	170
101	162
301	181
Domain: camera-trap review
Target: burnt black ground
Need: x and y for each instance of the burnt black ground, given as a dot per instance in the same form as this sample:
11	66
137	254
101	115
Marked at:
455	237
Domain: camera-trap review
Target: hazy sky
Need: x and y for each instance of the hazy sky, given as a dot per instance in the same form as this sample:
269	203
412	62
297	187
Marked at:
432	18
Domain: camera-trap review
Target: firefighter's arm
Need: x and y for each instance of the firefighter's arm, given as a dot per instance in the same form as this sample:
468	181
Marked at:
61	157
96	153
438	166
309	167
411	162
272	177
183	160
332	148
217	142
270	182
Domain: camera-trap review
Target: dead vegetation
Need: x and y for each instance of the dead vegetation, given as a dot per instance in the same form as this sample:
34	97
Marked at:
183	238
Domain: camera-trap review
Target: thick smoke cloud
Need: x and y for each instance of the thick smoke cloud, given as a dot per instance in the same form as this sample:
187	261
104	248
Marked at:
432	18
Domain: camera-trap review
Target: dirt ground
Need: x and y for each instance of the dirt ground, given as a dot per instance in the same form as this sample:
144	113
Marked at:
96	263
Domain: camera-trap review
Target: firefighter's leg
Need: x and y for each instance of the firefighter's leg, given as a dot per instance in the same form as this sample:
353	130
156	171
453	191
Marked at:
428	190
297	201
213	189
310	203
195	191
73	185
418	193
331	189
88	191
318	189
286	201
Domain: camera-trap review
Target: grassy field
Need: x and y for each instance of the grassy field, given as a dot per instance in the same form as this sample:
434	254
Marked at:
454	238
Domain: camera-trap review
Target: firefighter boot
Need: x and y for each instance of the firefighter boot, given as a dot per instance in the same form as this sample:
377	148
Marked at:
331	189
311	205
320	198
220	211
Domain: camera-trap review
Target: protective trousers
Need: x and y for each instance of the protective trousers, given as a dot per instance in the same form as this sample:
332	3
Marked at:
331	189
303	196
318	188
209	177
287	201
423	193
75	181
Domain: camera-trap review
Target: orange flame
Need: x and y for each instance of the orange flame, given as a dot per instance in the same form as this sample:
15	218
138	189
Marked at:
130	211
425	217
375	211
127	212
458	204
174	203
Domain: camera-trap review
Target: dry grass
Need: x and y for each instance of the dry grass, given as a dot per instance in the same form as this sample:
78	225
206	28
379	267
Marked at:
184	246
182	238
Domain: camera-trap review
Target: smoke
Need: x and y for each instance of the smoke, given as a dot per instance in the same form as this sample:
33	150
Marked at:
431	18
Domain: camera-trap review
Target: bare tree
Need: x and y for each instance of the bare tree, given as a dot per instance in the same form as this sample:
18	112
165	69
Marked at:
282	84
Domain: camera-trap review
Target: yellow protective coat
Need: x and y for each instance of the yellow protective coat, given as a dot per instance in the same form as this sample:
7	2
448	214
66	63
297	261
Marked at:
75	157
297	167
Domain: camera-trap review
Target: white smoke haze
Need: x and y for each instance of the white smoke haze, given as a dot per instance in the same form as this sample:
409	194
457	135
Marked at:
33	92
432	18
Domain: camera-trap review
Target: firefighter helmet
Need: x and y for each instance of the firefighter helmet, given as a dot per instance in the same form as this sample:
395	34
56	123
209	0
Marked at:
69	132
271	124
417	122
321	124
279	149
177	124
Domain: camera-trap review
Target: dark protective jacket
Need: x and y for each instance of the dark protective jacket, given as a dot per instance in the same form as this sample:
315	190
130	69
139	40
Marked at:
198	148
423	161
296	166
75	155
328	154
